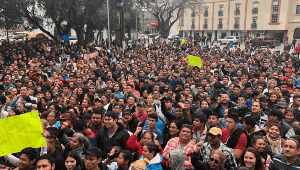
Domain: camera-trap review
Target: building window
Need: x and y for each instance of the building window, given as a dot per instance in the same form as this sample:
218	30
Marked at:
275	6
274	18
298	9
221	11
255	8
236	23
205	24
193	25
254	23
206	11
181	14
237	10
193	12
220	25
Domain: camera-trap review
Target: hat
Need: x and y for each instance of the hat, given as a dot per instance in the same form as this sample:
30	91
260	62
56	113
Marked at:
251	68
215	131
99	100
281	104
288	70
263	99
94	151
64	117
141	104
176	75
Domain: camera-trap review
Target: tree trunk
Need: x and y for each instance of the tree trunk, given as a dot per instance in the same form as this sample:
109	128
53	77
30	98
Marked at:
79	32
88	32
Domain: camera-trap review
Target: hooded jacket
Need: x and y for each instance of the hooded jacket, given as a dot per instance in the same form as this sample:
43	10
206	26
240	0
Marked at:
154	163
105	143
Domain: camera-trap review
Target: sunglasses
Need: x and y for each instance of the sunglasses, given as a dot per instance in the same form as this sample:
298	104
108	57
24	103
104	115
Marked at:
214	160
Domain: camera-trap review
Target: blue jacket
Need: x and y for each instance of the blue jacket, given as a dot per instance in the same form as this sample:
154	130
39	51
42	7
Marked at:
155	163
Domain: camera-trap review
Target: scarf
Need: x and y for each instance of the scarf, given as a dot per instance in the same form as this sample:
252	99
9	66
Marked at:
275	144
233	139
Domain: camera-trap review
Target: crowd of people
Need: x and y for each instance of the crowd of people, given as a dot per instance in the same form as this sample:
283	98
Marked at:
144	107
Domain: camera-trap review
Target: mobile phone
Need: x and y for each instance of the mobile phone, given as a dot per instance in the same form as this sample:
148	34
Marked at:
115	155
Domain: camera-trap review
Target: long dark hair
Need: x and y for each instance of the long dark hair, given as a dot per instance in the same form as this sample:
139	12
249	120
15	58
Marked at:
258	165
74	155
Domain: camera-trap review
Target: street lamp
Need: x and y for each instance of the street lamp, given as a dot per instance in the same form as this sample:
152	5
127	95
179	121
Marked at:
108	26
120	4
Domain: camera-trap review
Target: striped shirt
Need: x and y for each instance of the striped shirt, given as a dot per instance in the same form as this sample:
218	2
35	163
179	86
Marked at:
278	163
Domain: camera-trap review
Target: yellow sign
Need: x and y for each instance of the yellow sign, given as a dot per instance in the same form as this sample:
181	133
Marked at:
195	61
183	41
19	132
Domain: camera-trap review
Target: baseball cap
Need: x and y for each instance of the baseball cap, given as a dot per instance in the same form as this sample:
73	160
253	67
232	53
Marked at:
276	112
94	151
281	104
99	100
141	104
215	131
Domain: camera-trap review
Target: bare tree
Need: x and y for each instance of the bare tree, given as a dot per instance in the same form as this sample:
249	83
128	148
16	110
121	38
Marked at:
167	11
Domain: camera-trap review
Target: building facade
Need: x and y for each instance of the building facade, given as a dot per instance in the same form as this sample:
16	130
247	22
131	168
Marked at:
278	19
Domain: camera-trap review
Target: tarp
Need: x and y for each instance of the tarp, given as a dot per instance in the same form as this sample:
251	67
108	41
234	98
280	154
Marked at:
19	132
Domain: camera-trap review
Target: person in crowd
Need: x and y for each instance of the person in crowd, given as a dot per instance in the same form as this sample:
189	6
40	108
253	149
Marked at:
259	144
151	156
251	129
174	129
72	161
273	140
133	145
93	159
204	150
289	159
124	160
55	151
112	134
216	161
256	112
28	159
251	159
182	142
45	162
276	116
200	129
233	136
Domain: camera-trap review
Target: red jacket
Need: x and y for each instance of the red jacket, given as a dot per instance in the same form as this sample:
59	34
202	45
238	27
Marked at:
298	49
134	146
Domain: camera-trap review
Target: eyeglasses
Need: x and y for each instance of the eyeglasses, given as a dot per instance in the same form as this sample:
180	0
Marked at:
214	160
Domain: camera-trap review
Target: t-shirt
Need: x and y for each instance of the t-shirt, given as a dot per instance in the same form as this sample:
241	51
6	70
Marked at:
242	140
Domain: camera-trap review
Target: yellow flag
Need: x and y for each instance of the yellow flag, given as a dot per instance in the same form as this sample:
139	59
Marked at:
19	132
183	41
195	61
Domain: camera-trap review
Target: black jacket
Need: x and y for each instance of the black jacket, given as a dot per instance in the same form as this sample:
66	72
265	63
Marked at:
59	158
105	143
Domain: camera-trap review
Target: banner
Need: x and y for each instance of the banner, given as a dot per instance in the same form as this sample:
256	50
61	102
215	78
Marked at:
183	41
195	61
87	57
19	132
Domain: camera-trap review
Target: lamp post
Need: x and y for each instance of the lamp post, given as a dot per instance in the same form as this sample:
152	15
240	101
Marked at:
120	4
108	25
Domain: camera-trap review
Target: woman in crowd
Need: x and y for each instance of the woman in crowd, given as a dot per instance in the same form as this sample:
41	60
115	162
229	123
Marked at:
273	139
133	145
151	156
72	161
52	119
252	159
183	142
124	160
216	161
259	144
